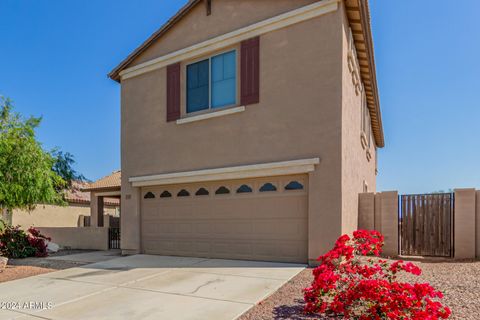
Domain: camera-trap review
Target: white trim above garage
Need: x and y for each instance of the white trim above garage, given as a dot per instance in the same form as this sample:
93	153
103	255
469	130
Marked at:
228	173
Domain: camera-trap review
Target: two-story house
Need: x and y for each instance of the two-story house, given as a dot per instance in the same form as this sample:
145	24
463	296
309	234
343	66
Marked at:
248	129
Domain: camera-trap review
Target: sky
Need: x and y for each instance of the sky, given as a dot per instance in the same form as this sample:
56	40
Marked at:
55	56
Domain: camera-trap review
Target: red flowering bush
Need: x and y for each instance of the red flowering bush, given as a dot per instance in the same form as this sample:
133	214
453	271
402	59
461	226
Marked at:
16	243
348	284
38	241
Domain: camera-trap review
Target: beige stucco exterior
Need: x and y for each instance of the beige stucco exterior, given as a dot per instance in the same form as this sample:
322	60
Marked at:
54	216
477	224
308	109
51	216
379	211
92	238
227	15
464	223
358	171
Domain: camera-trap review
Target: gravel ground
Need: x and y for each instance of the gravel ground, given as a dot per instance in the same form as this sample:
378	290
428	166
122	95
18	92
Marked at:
459	281
22	268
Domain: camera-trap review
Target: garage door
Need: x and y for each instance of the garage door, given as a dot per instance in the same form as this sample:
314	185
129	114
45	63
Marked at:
255	219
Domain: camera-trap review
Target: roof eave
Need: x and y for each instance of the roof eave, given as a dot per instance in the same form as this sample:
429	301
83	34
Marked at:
370	51
362	9
115	73
102	189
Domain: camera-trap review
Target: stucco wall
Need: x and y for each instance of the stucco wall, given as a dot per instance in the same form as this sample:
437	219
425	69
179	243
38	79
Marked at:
226	16
379	211
298	117
91	238
53	216
477	224
356	169
464	223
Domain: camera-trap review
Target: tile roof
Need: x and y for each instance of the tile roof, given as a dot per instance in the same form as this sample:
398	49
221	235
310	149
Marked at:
77	195
112	181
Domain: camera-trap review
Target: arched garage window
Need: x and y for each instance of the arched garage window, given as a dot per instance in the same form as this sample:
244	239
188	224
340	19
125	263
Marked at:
244	189
183	193
149	195
267	187
166	194
202	192
294	185
222	190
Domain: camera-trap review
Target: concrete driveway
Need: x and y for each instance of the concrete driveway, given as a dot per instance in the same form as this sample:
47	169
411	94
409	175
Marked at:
145	287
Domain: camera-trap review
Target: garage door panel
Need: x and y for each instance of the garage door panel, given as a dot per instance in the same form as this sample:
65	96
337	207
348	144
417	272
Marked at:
247	249
258	225
271	207
243	206
282	208
291	229
284	229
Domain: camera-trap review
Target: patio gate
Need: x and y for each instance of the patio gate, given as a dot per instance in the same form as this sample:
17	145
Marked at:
113	238
426	224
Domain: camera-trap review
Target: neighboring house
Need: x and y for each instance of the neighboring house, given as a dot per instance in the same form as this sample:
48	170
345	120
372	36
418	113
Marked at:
248	129
71	215
101	192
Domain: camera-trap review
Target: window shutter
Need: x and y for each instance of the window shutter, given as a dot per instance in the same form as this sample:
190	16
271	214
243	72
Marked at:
250	71
173	92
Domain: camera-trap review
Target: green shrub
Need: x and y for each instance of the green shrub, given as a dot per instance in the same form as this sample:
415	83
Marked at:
14	243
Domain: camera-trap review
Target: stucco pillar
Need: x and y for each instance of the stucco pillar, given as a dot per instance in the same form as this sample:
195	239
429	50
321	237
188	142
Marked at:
377	219
464	222
106	220
130	219
93	210
96	210
81	220
366	211
477	225
389	222
324	215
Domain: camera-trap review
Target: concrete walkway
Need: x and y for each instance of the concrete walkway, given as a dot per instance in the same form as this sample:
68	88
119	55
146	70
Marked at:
145	287
88	257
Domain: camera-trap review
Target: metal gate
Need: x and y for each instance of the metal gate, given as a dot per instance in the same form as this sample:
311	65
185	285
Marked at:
426	224
114	238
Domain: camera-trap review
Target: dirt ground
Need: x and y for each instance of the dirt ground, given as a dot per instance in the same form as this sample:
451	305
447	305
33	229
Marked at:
22	268
459	281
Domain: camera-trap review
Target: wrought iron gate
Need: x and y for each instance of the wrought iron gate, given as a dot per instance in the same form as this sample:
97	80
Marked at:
114	238
426	224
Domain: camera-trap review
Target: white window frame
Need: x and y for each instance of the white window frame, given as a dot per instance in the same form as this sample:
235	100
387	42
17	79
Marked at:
209	58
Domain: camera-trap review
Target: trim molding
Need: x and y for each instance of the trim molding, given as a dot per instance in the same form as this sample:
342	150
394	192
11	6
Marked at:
281	21
210	115
229	173
106	194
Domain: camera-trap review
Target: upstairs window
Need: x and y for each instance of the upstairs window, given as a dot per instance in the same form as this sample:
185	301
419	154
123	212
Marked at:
212	83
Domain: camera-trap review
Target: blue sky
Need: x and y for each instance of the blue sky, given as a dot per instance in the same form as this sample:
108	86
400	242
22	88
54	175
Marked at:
55	55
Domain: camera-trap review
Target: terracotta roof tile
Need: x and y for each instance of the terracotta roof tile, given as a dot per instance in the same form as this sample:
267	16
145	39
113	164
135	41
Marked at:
77	195
112	181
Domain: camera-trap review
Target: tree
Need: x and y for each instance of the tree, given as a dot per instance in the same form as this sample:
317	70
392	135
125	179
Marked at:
63	166
26	175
